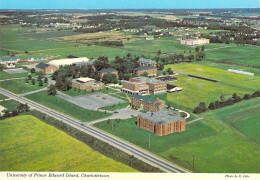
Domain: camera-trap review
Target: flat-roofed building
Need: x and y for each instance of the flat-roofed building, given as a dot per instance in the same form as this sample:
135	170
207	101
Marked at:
151	71
38	58
146	62
9	62
143	85
194	41
147	103
171	88
87	84
162	122
46	68
105	71
68	61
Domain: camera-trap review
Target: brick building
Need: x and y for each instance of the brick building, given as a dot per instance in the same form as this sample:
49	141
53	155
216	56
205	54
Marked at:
194	41
143	85
147	103
152	71
105	71
87	84
162	122
46	68
146	62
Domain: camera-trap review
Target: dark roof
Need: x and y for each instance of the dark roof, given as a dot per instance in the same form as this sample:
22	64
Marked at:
71	56
144	68
107	70
143	98
42	65
166	78
170	86
9	58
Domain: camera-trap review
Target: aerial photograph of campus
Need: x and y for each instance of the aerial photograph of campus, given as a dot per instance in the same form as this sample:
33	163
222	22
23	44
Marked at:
130	86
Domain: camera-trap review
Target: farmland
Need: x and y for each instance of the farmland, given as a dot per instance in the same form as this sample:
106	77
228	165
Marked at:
25	138
66	107
215	146
19	86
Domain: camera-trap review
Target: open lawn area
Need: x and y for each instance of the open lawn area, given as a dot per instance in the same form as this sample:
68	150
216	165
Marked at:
10	105
216	146
18	86
66	107
2	97
115	106
247	55
5	75
25	146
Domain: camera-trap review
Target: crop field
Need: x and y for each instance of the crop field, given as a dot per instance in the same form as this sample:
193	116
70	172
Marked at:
247	55
215	146
25	146
66	107
18	86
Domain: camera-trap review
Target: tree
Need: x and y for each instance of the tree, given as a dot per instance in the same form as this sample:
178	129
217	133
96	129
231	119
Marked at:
51	90
203	48
6	113
145	74
40	83
159	52
26	80
236	98
222	98
33	81
14	112
218	104
197	49
256	94
109	78
29	77
246	97
212	106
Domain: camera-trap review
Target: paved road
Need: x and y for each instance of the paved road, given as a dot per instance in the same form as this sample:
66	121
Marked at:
110	139
194	120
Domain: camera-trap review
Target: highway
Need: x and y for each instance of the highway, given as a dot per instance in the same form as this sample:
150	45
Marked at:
108	138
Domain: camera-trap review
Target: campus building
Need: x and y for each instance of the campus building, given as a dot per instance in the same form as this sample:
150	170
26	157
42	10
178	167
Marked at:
39	58
68	61
152	71
162	122
194	41
9	62
46	68
102	72
146	62
147	103
87	84
143	85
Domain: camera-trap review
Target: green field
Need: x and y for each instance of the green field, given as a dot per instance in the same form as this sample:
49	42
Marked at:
5	75
2	97
198	90
248	55
10	105
66	107
115	106
216	146
52	34
18	86
25	146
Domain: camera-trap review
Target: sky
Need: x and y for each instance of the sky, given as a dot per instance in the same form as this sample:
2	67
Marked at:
127	4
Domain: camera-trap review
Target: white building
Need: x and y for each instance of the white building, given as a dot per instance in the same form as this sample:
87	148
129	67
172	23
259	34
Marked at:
70	61
194	41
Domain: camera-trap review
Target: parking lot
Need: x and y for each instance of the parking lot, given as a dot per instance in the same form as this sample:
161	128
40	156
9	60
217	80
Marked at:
92	101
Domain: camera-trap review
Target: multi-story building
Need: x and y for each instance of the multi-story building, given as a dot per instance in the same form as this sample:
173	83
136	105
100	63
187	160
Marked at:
9	62
147	103
105	71
143	85
146	62
194	41
162	122
152	71
87	84
46	68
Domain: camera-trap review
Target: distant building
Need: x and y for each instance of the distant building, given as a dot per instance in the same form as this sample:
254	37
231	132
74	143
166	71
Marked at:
150	38
68	61
172	88
152	71
194	41
143	86
162	122
46	68
87	84
147	103
146	62
105	71
9	62
167	78
39	58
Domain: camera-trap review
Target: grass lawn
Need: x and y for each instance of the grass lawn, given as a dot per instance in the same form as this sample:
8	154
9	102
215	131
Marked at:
5	75
18	86
25	146
10	105
2	97
215	145
66	107
115	106
77	92
247	55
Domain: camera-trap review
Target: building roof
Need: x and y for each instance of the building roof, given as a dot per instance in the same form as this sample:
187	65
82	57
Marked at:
162	117
143	60
107	70
85	79
42	65
146	79
84	63
35	58
144	68
170	86
166	78
144	98
68	61
10	58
